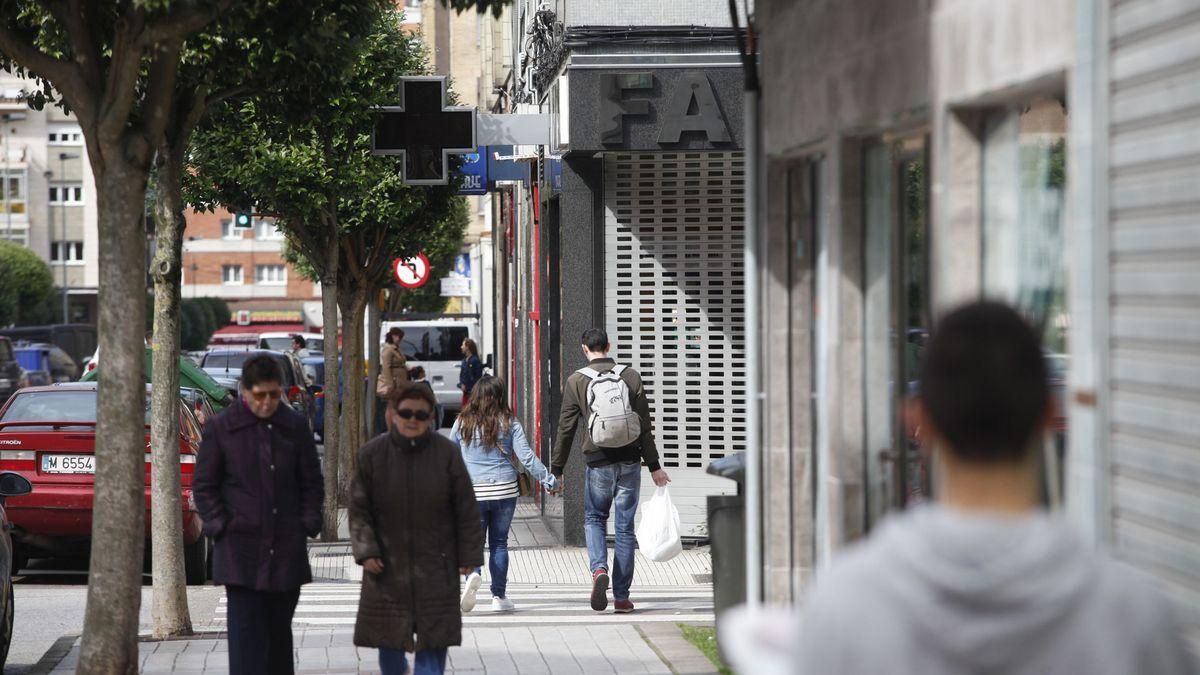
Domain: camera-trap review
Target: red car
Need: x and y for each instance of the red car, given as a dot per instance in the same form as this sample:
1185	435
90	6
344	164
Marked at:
48	435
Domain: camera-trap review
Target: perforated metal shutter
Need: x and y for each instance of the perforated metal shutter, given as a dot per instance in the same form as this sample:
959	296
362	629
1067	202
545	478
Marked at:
674	305
1154	266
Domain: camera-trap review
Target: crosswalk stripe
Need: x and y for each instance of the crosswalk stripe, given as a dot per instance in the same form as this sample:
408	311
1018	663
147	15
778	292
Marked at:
336	604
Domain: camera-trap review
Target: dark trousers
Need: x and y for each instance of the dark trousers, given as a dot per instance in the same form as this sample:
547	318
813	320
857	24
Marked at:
260	630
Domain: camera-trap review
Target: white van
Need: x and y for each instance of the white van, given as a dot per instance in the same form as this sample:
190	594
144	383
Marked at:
436	345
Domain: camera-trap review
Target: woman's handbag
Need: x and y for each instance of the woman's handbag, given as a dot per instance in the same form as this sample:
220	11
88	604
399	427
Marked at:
524	483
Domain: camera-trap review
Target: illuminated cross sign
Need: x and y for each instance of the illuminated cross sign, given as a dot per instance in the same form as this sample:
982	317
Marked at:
423	130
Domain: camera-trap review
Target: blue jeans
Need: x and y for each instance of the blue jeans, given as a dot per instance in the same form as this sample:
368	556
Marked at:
608	486
496	517
425	662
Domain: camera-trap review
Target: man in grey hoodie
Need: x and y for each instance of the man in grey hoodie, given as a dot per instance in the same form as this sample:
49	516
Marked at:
983	581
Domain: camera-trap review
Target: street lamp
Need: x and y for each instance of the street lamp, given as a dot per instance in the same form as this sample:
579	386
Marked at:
8	117
62	210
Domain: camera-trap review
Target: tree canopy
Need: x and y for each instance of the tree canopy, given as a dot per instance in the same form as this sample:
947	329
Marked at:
26	286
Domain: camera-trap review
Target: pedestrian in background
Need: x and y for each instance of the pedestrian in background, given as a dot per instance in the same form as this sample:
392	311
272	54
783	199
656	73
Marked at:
298	346
393	373
470	370
258	488
416	375
493	443
414	527
983	580
618	437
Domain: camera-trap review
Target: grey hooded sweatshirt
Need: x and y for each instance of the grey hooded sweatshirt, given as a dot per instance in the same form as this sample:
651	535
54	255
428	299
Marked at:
935	592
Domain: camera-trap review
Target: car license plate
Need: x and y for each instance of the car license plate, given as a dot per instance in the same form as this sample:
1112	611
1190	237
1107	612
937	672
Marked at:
68	464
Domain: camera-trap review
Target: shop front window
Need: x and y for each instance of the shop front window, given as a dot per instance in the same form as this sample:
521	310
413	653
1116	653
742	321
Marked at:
896	318
1024	221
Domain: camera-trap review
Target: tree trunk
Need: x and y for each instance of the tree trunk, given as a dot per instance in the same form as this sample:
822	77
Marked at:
353	303
118	514
333	397
170	603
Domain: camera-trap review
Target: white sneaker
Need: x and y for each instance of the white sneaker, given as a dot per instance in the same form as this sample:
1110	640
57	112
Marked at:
467	602
502	605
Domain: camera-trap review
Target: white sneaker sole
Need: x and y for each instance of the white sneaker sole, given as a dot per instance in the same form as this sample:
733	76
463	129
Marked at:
467	603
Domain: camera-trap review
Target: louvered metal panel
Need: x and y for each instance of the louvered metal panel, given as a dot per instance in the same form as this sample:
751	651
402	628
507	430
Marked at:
674	305
1154	189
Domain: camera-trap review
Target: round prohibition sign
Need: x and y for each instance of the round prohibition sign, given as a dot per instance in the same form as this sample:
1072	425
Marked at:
412	272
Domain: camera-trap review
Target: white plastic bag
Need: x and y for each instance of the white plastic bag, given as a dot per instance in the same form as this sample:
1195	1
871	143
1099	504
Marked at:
658	533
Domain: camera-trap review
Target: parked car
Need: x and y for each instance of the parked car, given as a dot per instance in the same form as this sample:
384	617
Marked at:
48	357
226	364
11	485
190	376
316	366
78	340
10	370
282	342
48	436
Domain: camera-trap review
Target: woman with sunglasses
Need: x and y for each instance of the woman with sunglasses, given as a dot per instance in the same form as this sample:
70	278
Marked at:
492	443
414	527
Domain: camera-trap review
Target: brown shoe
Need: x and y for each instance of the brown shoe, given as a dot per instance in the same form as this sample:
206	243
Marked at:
622	606
600	590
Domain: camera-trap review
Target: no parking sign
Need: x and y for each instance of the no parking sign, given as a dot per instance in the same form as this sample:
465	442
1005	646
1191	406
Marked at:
412	272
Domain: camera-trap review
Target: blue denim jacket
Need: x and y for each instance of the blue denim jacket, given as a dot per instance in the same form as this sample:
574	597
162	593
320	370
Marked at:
489	465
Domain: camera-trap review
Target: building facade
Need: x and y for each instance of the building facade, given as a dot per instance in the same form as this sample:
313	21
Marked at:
49	196
920	154
632	222
245	267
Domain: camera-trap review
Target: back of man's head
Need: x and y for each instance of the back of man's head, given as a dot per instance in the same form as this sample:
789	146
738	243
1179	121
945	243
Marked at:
983	383
595	339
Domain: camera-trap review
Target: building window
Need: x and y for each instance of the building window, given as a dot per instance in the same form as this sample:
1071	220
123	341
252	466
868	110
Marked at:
231	274
12	187
70	252
65	136
267	231
228	231
271	275
70	195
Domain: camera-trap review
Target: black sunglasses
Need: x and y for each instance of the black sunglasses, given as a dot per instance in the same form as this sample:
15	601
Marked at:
407	414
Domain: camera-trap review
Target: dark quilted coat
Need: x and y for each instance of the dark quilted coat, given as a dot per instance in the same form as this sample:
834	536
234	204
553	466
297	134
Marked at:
258	487
412	505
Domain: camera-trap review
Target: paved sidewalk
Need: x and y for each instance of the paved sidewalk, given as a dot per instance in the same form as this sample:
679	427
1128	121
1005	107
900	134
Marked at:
553	630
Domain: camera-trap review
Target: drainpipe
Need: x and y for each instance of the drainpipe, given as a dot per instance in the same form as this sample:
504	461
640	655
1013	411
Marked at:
752	271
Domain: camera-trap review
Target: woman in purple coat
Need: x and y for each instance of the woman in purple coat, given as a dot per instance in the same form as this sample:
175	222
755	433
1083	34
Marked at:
258	488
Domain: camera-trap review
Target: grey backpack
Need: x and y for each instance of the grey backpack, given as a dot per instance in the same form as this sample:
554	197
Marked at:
613	422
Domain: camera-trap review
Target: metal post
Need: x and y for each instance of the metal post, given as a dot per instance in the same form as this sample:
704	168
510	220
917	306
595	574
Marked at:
7	178
751	272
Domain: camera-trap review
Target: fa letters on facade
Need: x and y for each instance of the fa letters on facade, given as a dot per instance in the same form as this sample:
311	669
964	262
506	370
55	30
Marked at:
690	106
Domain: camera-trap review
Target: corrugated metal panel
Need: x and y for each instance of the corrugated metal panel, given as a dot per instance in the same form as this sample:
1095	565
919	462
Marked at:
674	304
1154	190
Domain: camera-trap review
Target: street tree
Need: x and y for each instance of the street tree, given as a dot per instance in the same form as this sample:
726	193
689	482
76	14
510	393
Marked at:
251	51
344	210
113	63
26	286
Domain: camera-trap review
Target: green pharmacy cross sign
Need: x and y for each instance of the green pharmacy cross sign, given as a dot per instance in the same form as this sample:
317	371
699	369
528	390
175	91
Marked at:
423	130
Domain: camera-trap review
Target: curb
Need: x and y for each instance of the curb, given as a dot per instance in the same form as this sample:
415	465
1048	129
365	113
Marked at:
54	655
681	656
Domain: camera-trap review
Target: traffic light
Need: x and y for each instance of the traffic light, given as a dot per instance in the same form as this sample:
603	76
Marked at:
243	221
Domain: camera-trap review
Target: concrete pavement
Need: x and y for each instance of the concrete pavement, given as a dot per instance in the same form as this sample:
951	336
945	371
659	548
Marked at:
552	631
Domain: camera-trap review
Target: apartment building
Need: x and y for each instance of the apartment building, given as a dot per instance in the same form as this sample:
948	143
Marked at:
245	267
49	196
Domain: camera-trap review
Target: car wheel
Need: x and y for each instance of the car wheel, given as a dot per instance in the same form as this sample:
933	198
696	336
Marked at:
195	562
6	629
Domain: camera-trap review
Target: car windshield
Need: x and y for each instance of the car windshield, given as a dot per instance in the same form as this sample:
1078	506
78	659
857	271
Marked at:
56	406
230	360
434	343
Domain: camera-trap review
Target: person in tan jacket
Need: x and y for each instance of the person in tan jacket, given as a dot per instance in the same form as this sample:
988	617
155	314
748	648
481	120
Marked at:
393	373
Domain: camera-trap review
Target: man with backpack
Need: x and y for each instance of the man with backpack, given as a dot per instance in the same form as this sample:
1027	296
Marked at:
618	436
